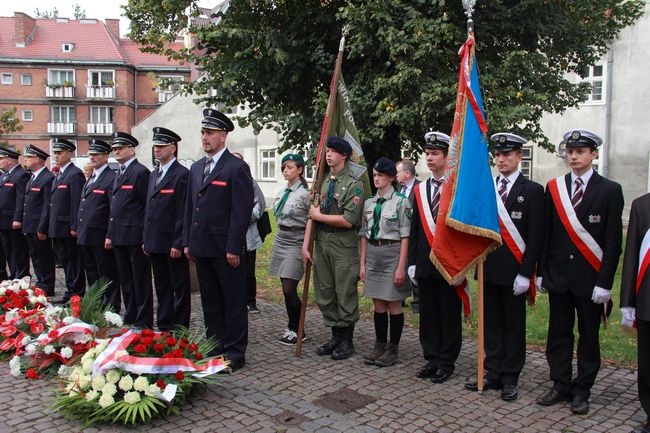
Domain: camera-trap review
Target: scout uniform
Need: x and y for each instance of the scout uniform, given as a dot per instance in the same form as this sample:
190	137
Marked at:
336	257
581	250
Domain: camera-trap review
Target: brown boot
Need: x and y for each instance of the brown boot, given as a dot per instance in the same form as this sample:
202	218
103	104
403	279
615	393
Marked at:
376	353
389	357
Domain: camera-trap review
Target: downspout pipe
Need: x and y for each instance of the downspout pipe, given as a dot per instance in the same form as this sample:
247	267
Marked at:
604	163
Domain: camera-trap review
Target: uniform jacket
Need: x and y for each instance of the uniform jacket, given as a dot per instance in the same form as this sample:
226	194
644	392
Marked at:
64	204
525	205
419	248
563	266
36	214
94	210
638	227
165	210
12	196
411	196
126	222
218	211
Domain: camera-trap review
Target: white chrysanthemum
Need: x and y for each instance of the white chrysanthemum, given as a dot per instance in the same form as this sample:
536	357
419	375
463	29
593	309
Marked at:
14	366
98	382
84	382
106	400
132	397
64	370
87	365
152	390
38	299
49	349
26	340
66	352
113	318
53	310
141	383
91	395
30	349
69	319
113	376
109	389
24	282
126	383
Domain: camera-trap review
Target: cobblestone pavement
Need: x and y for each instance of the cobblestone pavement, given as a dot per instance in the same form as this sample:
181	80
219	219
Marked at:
278	392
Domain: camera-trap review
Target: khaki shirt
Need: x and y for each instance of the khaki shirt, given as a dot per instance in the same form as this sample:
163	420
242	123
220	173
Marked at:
395	220
296	209
348	193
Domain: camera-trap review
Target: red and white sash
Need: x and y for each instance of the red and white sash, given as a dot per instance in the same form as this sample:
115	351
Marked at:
580	237
644	260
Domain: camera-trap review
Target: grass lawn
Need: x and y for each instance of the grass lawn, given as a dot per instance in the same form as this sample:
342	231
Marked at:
617	344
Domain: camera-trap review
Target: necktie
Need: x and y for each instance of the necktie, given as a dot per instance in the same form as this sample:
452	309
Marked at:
329	197
503	189
31	179
159	175
578	193
207	168
59	175
89	184
376	218
403	189
122	169
435	201
281	203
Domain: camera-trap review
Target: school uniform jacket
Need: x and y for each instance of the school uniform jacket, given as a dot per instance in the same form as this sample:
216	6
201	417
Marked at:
165	210
525	205
12	196
219	210
638	227
64	204
419	248
36	213
564	268
127	206
94	210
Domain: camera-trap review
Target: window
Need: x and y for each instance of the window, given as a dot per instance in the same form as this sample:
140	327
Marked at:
67	47
526	165
267	164
25	79
174	86
63	115
101	114
101	78
27	115
60	76
595	75
7	78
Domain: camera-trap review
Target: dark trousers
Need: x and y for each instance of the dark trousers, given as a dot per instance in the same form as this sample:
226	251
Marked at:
43	262
505	333
251	280
99	263
172	281
559	346
440	323
67	251
224	305
134	273
643	341
14	245
3	265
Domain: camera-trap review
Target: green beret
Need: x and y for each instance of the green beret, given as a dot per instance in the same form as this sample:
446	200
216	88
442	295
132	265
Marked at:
298	159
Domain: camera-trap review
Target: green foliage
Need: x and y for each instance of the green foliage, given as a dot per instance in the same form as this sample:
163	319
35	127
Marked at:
401	65
8	124
92	308
54	13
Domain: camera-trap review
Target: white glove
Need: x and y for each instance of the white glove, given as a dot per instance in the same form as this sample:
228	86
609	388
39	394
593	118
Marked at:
600	295
538	284
521	285
628	316
411	273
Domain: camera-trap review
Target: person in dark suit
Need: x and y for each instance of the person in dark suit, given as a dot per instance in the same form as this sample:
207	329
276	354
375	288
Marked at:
440	306
36	217
12	196
510	269
64	205
407	180
124	234
219	206
92	223
163	232
635	295
582	245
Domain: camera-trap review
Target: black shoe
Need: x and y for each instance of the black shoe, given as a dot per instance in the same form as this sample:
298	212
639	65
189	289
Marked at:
579	405
344	350
441	376
552	397
427	371
509	392
233	366
645	428
328	348
252	309
487	385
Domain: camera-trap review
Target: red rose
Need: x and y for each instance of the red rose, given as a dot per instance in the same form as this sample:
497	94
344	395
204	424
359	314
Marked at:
53	334
160	384
136	339
168	355
178	353
3	299
179	376
148	333
171	341
158	347
192	347
140	348
182	343
147	341
198	355
32	374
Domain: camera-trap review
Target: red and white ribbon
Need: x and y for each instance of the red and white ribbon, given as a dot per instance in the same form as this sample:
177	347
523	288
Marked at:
422	200
644	260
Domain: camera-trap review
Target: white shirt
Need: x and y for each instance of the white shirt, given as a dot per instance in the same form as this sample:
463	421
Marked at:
165	167
127	163
99	171
511	180
63	169
37	172
216	157
409	187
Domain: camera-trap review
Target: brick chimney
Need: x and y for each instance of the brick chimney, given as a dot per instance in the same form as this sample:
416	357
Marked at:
113	26
24	26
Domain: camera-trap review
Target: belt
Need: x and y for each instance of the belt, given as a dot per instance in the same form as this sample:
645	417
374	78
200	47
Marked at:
329	229
382	242
291	229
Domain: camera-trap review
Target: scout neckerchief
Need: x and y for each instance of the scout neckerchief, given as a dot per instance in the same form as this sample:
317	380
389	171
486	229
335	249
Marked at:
376	218
283	200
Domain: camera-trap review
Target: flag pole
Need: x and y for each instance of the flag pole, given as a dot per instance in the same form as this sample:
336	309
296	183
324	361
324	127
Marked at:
319	172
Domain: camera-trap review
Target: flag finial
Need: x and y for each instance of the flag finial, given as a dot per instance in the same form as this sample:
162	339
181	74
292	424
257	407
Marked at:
468	5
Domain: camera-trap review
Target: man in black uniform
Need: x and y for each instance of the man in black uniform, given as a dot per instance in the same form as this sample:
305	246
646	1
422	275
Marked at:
36	217
12	195
510	269
92	224
582	245
124	233
163	232
635	294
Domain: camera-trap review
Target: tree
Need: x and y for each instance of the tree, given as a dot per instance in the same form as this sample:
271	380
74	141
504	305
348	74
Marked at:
401	67
77	12
8	124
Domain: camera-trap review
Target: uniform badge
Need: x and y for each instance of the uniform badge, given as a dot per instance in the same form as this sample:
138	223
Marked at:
520	199
594	219
516	215
356	199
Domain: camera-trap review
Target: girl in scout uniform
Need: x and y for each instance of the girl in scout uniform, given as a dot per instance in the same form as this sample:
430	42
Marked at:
384	233
291	209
